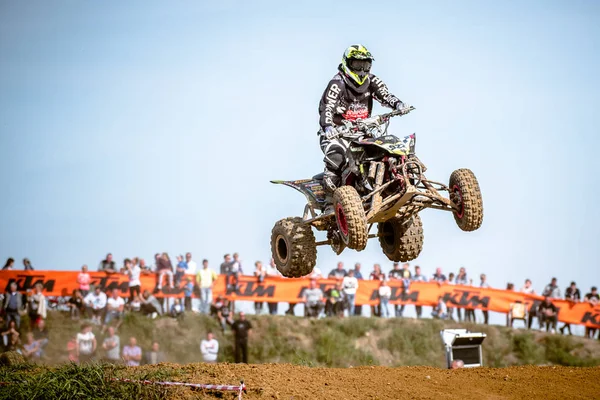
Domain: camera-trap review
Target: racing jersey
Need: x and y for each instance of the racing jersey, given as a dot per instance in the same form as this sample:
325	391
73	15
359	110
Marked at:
342	100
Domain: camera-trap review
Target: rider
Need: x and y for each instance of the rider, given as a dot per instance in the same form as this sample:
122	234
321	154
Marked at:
348	97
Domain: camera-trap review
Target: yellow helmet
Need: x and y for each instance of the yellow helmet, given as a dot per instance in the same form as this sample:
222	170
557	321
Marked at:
356	63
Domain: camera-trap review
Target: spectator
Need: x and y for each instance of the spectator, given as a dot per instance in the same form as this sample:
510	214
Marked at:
95	303
484	285
461	279
397	274
418	277
76	305
41	335
226	265
316	273
241	331
177	308
132	353
552	290
36	304
457	364
209	348
260	275
439	277
146	270
350	286
205	279
593	299
72	349
107	265
385	292
133	271
27	264
313	300
528	289
181	270
164	267
86	343
335	301
9	264
573	295
548	314
114	309
339	272
14	343
84	279
358	275
236	266
272	272
154	356
188	291
439	311
31	348
191	264
13	305
11	332
377	275
150	305
223	313
406	271
112	347
136	304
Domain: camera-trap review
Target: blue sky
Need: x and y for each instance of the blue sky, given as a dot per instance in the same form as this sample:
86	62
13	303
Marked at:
138	127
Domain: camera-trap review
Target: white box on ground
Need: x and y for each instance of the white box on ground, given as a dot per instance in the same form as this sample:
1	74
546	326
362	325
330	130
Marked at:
461	344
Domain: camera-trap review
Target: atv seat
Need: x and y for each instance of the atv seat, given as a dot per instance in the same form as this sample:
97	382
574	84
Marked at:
318	177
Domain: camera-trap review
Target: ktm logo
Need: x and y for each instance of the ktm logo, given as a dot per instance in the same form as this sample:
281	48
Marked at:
251	289
592	317
466	298
26	282
398	294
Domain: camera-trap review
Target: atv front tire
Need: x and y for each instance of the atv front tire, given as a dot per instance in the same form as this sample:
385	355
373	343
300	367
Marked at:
401	239
466	195
350	217
293	247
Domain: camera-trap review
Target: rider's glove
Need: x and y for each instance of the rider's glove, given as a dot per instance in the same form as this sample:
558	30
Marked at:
330	132
401	106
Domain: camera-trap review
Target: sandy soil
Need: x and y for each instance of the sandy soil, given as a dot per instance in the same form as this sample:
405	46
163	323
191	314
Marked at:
283	381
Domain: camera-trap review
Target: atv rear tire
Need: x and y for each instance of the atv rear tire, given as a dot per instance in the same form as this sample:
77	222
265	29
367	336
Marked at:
293	247
466	195
350	217
401	239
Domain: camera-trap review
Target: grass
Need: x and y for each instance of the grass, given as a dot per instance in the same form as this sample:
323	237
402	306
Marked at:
335	342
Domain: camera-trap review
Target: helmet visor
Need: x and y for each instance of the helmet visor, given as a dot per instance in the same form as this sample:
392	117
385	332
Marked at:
359	65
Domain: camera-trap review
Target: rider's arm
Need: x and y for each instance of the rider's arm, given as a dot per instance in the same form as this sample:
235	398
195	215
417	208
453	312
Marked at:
330	102
382	94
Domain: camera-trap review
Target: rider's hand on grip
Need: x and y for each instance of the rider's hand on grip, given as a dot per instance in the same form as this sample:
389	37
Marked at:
330	132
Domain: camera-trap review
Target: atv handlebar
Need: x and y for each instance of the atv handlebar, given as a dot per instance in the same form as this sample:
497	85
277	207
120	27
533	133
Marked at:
350	128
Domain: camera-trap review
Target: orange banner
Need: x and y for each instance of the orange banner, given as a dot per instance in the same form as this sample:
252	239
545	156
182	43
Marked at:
62	283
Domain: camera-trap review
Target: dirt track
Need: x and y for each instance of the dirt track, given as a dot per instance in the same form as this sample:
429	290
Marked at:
284	381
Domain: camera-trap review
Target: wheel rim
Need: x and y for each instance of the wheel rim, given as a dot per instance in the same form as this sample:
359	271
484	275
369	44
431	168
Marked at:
461	205
341	220
282	249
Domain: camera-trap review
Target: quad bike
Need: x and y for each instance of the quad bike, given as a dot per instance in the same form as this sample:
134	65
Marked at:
382	183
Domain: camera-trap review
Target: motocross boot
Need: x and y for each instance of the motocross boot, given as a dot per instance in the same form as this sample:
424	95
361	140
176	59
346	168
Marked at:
331	181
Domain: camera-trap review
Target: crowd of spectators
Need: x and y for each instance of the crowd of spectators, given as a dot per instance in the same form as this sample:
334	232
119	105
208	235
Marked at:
101	313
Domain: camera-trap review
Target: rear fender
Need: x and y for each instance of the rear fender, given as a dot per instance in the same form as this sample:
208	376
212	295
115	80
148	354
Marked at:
312	189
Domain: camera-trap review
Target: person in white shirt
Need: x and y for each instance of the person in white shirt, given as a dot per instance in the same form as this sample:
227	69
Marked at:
350	285
209	348
134	271
385	292
114	309
86	343
191	269
95	303
205	278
